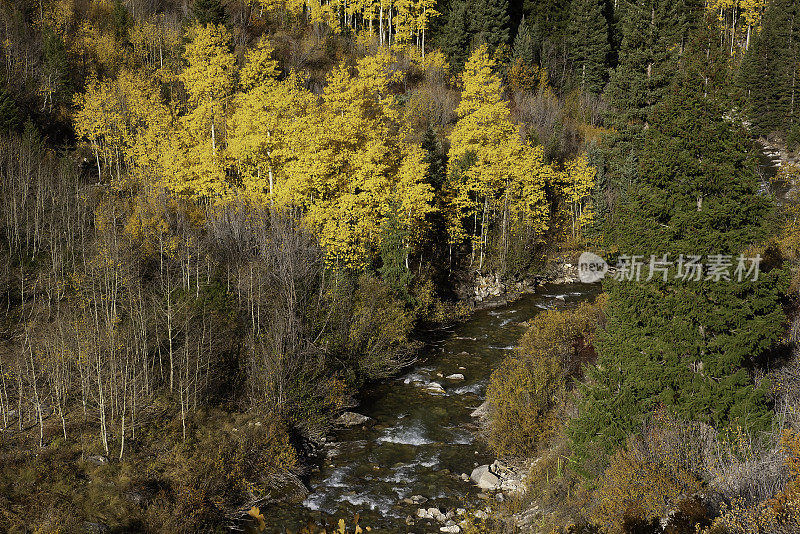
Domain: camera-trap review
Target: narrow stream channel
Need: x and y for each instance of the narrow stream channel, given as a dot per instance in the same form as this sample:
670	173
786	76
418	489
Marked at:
424	437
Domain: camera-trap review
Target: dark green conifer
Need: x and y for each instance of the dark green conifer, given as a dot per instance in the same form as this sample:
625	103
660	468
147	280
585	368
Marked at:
769	72
653	35
208	12
589	44
685	345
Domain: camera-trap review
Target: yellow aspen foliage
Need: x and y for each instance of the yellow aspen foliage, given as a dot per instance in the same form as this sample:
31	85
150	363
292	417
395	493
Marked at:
348	166
491	172
154	43
102	49
579	182
260	68
59	16
750	10
191	161
210	75
261	127
115	116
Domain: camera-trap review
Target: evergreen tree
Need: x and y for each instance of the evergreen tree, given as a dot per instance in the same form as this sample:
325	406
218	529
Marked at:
9	113
589	43
457	34
208	12
524	48
653	33
685	344
490	21
769	70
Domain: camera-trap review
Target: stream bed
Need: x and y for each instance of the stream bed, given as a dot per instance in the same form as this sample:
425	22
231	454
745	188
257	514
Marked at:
424	437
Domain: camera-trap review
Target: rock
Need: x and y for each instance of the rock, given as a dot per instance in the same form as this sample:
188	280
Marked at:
419	499
422	513
483	496
499	497
481	411
95	528
484	478
435	513
97	460
135	497
480	514
353	419
456	376
434	387
461	511
465	477
452	528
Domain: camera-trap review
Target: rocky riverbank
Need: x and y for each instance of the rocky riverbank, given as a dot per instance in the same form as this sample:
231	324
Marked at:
486	290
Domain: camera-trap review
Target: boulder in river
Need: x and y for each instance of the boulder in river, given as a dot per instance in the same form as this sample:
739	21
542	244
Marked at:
481	411
455	376
455	529
434	387
484	478
354	419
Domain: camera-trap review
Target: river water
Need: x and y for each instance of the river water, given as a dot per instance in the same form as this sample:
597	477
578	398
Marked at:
424	438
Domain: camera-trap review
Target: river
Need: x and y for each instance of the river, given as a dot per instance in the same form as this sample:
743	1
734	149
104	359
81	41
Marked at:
424	438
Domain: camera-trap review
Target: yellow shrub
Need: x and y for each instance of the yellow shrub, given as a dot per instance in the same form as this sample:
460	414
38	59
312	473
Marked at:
641	484
523	391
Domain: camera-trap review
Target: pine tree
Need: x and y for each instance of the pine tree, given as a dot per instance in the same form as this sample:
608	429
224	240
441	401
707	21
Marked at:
208	12
456	35
490	21
685	344
524	48
9	113
769	71
589	43
653	33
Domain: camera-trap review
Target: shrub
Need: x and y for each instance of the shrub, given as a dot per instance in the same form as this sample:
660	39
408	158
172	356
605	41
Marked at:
642	482
523	391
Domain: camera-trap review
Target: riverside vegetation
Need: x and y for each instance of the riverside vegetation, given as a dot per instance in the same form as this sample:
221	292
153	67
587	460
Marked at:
223	219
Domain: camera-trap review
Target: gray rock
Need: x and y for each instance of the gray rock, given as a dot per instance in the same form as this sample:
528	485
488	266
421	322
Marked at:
484	478
455	376
435	513
95	528
434	387
455	529
353	419
481	411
